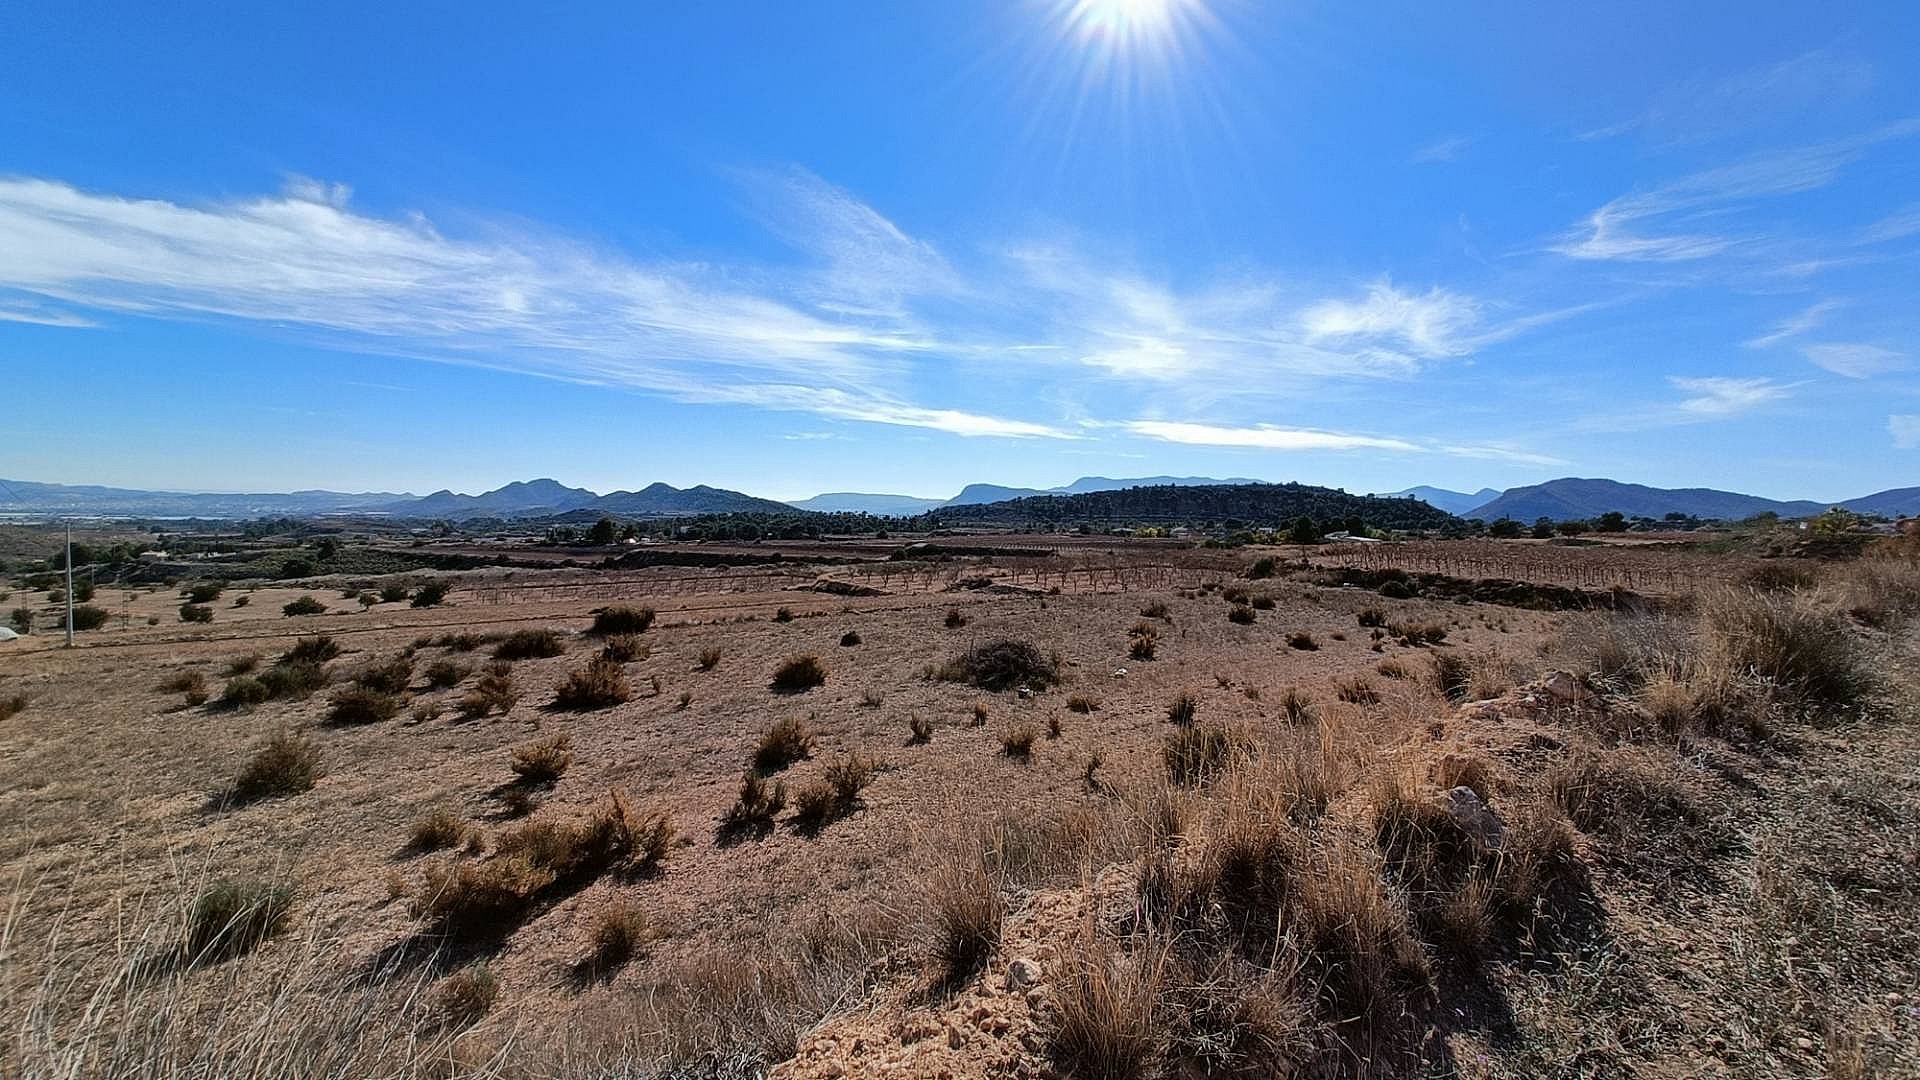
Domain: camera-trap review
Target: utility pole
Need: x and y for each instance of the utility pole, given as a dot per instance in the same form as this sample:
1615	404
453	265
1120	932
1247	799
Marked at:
69	583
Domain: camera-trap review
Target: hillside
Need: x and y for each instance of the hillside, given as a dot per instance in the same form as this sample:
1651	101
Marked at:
28	497
522	498
1572	499
665	500
1896	502
1256	504
1453	502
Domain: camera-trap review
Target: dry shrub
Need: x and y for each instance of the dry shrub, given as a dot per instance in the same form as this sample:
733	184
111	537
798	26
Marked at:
436	829
619	930
1018	742
919	729
476	899
1262	602
391	677
625	649
1303	641
240	692
610	621
233	917
954	619
789	740
1357	937
243	665
191	684
317	649
1297	706
1197	754
1372	617
1416	634
709	658
1356	690
968	913
1393	669
1156	610
798	674
1228	1017
1181	709
494	692
359	705
467	995
1003	665
759	803
835	795
1452	675
286	764
1143	647
1241	615
1805	650
599	685
849	639
542	761
531	644
980	714
783	615
1053	727
442	674
1081	703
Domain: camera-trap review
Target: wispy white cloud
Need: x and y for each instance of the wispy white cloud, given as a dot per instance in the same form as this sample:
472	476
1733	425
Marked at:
1905	429
45	318
1442	150
1706	108
1662	224
1793	326
1855	361
1898	225
1430	324
1262	436
1720	396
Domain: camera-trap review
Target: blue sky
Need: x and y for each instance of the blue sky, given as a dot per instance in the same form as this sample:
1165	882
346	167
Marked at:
791	248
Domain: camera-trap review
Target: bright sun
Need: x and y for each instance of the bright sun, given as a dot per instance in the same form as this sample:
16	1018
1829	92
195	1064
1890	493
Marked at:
1124	21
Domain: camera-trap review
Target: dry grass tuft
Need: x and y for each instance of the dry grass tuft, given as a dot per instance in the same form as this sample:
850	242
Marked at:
798	674
391	677
360	705
790	739
968	914
1302	640
759	803
919	730
599	685
619	930
1197	754
1181	709
1018	742
1356	690
317	649
442	674
542	761
709	658
954	619
233	917
625	649
436	829
288	763
1081	703
835	795
531	644
1108	1001
494	692
612	621
1297	706
190	684
467	995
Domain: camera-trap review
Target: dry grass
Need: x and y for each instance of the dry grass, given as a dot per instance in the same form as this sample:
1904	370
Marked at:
1181	709
1297	706
436	830
709	658
532	644
442	674
1241	615
919	729
625	649
233	917
614	621
601	684
1197	754
360	705
191	685
311	650
1017	742
390	677
494	692
619	931
759	803
835	795
1080	703
798	674
466	996
542	761
1356	690
790	739
288	763
1302	640
1109	1009
968	913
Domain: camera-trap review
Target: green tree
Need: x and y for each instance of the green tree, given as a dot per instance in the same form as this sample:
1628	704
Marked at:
1303	531
604	532
1543	528
1505	529
1612	521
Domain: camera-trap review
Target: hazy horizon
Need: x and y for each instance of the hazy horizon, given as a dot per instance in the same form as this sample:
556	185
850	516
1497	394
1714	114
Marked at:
902	248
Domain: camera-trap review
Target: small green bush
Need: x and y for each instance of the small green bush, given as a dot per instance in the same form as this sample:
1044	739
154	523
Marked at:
231	918
305	605
622	620
196	613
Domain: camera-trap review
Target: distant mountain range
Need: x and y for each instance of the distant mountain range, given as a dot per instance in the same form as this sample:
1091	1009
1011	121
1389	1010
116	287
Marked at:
977	494
1560	500
1573	498
1453	502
